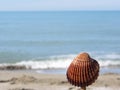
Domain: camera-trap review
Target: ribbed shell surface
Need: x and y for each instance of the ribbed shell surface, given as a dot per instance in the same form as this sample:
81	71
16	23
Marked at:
83	71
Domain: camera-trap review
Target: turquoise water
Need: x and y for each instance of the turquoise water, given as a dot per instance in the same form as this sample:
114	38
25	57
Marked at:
52	39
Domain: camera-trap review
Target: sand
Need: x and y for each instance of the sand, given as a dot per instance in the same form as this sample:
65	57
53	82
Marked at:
24	80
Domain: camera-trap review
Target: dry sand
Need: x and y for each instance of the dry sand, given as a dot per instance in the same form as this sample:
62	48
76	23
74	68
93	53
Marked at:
21	80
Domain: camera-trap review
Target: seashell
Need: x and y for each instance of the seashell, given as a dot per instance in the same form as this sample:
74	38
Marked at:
83	70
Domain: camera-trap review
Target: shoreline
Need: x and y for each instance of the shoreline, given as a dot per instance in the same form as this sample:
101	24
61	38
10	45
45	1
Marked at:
103	70
22	80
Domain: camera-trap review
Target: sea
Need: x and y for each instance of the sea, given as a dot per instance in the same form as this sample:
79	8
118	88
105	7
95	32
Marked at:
48	41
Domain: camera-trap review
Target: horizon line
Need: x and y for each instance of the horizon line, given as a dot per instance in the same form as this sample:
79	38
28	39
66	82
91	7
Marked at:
50	10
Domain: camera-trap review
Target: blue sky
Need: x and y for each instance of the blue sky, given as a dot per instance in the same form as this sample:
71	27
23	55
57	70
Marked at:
31	5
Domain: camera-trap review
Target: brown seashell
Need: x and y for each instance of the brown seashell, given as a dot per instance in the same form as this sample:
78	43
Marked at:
83	70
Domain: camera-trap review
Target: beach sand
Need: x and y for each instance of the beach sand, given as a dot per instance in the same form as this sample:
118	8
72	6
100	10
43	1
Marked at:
24	80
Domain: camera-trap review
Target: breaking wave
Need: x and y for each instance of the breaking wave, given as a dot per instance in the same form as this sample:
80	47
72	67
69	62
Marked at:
63	61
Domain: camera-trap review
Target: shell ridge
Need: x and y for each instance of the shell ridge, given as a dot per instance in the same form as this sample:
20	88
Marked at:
87	72
84	76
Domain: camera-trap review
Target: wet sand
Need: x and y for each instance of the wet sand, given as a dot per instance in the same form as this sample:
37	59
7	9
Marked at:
22	80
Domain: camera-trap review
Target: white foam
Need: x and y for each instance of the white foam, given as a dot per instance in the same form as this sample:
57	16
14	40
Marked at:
108	59
106	63
63	61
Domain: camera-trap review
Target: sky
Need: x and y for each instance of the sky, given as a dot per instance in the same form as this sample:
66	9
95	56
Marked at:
38	5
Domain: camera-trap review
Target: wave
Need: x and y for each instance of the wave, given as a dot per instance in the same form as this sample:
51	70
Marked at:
63	61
